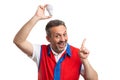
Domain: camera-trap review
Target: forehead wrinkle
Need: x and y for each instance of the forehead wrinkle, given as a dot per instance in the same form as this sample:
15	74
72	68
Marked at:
60	33
58	30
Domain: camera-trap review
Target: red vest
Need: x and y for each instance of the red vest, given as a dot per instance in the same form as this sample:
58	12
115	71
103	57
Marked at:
67	68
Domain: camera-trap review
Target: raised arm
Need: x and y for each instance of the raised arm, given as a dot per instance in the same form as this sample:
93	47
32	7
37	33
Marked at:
21	36
89	72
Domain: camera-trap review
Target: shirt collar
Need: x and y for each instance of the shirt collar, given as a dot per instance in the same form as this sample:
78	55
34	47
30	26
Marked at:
67	49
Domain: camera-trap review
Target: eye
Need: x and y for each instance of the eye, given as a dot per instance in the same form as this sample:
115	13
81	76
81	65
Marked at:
65	34
57	36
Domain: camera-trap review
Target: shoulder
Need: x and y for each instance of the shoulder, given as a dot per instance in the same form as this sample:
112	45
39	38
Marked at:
74	48
45	46
74	51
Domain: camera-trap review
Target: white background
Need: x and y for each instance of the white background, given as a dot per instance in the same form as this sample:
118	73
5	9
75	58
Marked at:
96	20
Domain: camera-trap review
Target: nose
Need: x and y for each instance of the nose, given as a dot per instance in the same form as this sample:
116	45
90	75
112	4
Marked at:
62	38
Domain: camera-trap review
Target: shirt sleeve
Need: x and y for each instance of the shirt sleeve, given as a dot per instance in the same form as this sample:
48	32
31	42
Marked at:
82	71
36	53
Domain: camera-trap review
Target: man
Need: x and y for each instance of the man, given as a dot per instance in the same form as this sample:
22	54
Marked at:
57	60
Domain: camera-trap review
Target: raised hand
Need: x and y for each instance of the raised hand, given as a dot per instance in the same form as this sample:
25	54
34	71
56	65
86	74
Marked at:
83	51
40	13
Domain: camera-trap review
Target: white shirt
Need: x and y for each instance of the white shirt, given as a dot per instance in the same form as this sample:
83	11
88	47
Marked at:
56	55
36	55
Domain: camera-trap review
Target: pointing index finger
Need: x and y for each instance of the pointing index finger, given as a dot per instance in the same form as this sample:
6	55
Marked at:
83	43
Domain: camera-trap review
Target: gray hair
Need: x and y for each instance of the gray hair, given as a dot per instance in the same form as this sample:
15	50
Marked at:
53	23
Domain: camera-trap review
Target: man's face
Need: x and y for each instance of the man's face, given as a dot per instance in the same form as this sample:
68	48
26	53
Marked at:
58	38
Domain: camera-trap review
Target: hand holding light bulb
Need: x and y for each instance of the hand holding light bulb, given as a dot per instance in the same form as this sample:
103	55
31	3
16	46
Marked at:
50	9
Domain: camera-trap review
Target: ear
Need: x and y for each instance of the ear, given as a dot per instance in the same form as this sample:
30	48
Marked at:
48	38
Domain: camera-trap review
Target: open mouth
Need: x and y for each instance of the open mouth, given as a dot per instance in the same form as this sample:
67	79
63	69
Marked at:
61	45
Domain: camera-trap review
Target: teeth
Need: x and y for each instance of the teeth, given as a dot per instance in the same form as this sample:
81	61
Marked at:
61	44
